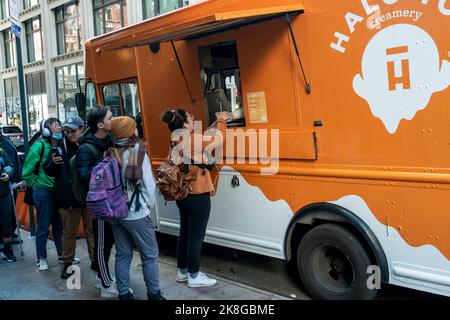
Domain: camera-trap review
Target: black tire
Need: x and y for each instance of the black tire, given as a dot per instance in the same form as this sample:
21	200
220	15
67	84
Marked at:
333	263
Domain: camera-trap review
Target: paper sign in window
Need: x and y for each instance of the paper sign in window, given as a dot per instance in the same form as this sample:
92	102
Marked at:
257	107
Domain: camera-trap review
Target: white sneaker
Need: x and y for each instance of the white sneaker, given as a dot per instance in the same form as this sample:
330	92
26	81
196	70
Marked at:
42	264
98	283
200	281
2	255
182	277
110	292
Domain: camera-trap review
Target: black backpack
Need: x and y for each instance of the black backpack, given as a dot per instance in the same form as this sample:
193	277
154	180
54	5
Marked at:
78	189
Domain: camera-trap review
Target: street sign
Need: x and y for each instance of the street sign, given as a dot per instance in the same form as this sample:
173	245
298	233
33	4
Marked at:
16	29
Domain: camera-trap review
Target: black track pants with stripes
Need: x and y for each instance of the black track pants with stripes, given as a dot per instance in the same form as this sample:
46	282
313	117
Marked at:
103	242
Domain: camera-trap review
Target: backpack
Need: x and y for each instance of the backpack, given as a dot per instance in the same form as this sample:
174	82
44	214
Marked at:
78	190
106	199
173	180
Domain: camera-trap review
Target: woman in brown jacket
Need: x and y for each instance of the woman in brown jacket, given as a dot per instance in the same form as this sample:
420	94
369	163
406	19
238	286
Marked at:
196	208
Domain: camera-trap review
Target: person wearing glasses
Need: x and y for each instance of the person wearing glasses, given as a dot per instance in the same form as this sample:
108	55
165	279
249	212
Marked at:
43	190
57	165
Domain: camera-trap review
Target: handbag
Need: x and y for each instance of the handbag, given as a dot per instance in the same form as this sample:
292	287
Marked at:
28	199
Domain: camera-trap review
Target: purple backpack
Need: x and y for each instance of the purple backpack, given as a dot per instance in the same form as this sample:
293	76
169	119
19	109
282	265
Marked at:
106	199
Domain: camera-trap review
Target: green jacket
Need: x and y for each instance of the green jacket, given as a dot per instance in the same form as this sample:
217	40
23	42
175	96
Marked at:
41	181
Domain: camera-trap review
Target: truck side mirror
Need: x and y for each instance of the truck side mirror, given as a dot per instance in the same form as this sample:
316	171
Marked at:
80	101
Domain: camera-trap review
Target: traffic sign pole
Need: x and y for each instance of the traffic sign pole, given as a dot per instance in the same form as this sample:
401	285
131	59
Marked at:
23	107
23	102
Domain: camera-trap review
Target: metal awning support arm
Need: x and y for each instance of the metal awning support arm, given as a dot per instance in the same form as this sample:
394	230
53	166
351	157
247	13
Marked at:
182	73
307	84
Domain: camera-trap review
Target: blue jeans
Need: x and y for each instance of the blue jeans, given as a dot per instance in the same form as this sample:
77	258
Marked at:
47	215
127	235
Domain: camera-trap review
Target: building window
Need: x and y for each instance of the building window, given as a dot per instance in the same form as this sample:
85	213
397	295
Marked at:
29	3
4	9
12	102
109	15
33	32
37	99
153	8
10	49
68	28
66	82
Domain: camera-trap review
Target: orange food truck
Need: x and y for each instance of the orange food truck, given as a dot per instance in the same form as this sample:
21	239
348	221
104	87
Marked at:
355	97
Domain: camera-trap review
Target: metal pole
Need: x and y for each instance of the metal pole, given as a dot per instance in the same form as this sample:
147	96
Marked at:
23	102
24	112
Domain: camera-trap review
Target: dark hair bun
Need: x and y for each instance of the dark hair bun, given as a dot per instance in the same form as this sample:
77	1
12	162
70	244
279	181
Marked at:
175	119
167	117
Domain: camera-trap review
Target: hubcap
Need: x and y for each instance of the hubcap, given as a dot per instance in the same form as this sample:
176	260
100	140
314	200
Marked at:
332	269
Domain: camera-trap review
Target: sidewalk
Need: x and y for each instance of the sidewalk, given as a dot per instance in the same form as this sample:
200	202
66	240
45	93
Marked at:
22	281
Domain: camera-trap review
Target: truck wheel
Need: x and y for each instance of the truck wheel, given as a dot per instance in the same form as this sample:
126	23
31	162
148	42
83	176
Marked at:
333	263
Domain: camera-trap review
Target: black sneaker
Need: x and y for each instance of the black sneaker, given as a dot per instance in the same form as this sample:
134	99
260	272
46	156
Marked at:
155	297
9	253
128	296
64	274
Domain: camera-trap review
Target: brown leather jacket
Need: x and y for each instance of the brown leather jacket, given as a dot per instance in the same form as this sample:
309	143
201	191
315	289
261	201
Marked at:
203	183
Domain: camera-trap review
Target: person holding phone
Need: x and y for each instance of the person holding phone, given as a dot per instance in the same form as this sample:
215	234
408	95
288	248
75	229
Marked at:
43	190
57	165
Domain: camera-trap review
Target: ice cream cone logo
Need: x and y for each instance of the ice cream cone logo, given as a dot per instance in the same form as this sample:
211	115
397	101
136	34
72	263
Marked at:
401	70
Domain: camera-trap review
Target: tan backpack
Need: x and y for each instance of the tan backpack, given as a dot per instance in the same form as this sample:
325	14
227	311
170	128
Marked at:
174	180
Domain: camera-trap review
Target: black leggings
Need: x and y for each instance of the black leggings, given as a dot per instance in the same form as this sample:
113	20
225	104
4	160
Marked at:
194	216
5	218
103	243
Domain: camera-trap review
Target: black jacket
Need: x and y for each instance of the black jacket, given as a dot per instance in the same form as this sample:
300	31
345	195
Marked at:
63	190
8	168
85	158
7	145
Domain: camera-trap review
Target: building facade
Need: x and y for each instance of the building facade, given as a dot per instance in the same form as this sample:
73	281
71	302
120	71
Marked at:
53	33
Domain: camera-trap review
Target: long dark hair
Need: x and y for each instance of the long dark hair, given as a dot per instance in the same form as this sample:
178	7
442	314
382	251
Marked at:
175	118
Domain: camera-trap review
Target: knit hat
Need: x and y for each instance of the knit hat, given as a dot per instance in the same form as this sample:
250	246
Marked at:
123	127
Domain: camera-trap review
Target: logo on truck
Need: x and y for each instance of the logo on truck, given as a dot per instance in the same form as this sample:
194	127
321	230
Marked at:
401	67
401	70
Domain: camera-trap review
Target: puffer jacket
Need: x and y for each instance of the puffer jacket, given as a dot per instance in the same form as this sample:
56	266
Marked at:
40	180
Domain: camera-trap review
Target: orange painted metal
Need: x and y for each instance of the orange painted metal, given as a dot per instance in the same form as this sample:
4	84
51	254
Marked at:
404	176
